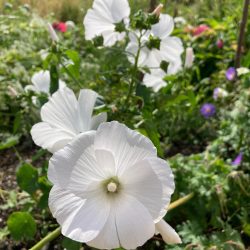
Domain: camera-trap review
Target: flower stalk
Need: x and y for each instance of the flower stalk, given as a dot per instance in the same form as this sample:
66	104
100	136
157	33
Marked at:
242	33
53	235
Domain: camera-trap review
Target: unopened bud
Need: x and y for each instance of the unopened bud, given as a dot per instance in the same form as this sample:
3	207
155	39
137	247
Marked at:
189	57
158	9
52	33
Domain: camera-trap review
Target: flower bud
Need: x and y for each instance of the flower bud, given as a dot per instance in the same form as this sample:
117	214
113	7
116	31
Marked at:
52	33
157	10
220	44
189	57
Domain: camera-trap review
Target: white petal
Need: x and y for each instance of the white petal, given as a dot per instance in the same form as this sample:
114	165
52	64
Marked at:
155	79
154	58
50	138
97	120
171	49
168	234
63	161
61	111
165	26
105	159
81	219
140	181
108	237
41	81
134	223
151	182
174	67
86	101
121	141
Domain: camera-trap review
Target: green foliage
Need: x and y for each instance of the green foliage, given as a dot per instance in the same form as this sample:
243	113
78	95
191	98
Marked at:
27	178
21	226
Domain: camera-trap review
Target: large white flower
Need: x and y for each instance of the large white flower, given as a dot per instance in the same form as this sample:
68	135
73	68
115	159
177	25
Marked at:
154	79
104	20
41	82
110	188
157	45
64	117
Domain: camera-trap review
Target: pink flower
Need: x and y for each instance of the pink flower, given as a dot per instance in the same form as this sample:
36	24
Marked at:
200	29
61	26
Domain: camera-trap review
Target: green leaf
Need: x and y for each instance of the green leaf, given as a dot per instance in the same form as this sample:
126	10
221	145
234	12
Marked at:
27	178
21	225
69	244
9	142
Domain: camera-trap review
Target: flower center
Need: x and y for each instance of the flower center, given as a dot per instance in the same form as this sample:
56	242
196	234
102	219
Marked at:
120	27
112	187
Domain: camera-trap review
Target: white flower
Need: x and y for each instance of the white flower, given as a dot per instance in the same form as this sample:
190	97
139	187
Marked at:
155	79
104	18
110	188
242	71
189	57
64	117
41	82
180	20
156	45
219	93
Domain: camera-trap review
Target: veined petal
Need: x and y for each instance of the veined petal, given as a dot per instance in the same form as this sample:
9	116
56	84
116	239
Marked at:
81	219
86	102
108	237
164	27
61	111
134	223
168	234
97	120
121	141
63	161
50	138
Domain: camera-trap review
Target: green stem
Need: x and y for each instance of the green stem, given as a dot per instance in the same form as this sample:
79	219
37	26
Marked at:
134	72
180	201
48	238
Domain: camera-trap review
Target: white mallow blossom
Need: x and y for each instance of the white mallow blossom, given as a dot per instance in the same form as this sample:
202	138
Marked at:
110	188
242	71
64	117
41	82
107	18
156	45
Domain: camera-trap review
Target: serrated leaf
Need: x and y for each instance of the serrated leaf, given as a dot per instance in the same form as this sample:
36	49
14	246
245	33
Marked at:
27	178
21	225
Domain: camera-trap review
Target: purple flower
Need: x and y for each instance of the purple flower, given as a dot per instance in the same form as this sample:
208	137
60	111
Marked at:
231	73
237	161
208	110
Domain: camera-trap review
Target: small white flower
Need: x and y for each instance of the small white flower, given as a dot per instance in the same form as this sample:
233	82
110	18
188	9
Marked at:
110	188
157	45
104	18
155	79
52	33
41	82
64	117
242	71
189	57
180	20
